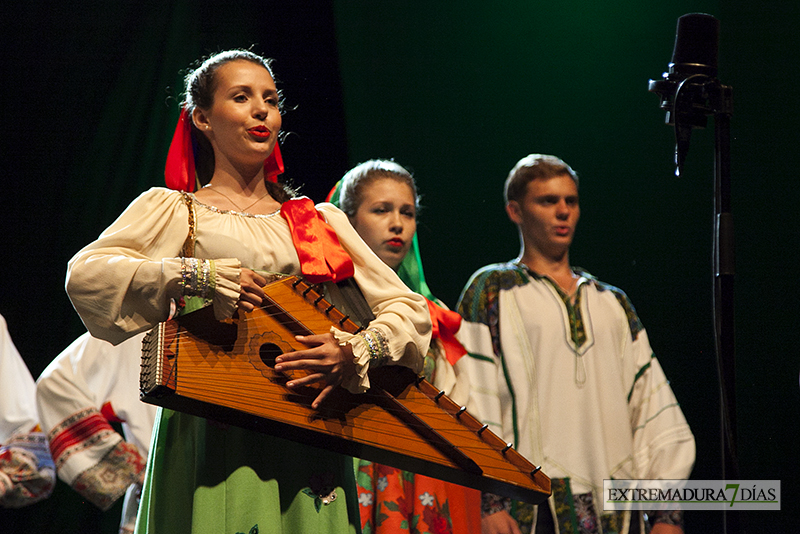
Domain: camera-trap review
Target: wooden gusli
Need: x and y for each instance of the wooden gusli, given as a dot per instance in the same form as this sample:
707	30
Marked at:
224	371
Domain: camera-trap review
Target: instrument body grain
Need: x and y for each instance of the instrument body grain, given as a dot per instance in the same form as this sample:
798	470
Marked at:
224	371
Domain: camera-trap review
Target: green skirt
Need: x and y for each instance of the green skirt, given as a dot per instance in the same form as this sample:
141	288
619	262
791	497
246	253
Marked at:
206	478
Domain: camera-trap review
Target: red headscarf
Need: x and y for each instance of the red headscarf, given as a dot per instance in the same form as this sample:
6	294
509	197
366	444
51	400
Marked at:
179	173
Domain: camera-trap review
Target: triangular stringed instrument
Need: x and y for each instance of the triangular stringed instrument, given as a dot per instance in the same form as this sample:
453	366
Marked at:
224	371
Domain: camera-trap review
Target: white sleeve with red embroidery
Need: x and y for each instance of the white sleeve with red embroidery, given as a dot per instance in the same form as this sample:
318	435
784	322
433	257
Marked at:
87	387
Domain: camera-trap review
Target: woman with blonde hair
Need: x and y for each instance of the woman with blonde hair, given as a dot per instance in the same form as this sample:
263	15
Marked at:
381	201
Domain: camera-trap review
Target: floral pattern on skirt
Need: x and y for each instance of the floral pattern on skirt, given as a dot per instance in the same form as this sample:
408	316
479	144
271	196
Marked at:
396	501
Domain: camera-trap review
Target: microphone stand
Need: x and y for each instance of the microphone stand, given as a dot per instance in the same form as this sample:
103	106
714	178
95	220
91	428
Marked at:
689	100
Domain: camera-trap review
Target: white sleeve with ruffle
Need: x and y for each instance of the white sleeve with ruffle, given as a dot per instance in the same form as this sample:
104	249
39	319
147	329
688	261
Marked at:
401	331
123	283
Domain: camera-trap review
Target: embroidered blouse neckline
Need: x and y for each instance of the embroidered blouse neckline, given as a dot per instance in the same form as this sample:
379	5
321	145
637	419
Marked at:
234	212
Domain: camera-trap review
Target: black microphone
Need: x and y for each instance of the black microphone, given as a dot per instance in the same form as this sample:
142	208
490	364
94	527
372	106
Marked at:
696	46
684	87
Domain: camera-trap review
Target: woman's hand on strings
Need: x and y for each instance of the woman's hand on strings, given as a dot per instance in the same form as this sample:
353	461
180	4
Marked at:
251	295
326	361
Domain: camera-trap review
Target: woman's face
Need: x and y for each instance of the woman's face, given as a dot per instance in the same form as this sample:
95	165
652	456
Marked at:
386	219
244	120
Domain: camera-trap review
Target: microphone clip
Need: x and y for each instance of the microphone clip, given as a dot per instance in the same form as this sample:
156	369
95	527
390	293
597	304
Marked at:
690	90
691	99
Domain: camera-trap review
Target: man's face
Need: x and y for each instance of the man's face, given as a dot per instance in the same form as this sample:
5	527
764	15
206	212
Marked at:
548	214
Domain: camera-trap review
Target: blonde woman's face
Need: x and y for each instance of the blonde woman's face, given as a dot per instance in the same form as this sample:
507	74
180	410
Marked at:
387	219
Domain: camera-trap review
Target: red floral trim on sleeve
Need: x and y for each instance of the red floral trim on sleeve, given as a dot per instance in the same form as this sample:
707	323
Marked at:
108	480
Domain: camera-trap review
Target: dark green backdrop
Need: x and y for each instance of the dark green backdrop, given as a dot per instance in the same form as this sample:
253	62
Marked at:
457	92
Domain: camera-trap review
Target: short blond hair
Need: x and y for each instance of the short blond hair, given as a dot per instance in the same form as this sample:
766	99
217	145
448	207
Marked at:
353	183
534	167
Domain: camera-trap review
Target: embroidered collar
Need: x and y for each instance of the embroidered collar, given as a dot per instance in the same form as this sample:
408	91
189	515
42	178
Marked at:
234	212
583	276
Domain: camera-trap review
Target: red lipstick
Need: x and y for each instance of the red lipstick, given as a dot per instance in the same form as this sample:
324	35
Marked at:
260	131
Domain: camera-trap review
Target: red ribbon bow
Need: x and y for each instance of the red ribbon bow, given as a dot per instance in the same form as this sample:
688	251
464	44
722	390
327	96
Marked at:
322	258
445	325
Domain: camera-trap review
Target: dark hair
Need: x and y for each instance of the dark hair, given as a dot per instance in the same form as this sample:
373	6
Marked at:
533	167
201	83
351	192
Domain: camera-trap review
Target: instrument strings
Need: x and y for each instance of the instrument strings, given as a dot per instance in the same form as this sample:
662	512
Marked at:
298	308
255	394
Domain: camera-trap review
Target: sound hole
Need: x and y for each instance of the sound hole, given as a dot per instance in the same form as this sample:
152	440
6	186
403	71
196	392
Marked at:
268	353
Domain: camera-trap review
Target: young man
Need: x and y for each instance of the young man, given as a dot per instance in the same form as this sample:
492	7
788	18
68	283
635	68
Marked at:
560	365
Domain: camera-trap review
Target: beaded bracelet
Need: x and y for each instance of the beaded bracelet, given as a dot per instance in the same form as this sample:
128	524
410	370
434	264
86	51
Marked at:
377	345
198	278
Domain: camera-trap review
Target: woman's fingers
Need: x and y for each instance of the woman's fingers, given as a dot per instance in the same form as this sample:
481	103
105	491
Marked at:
322	396
324	361
306	380
251	295
323	351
